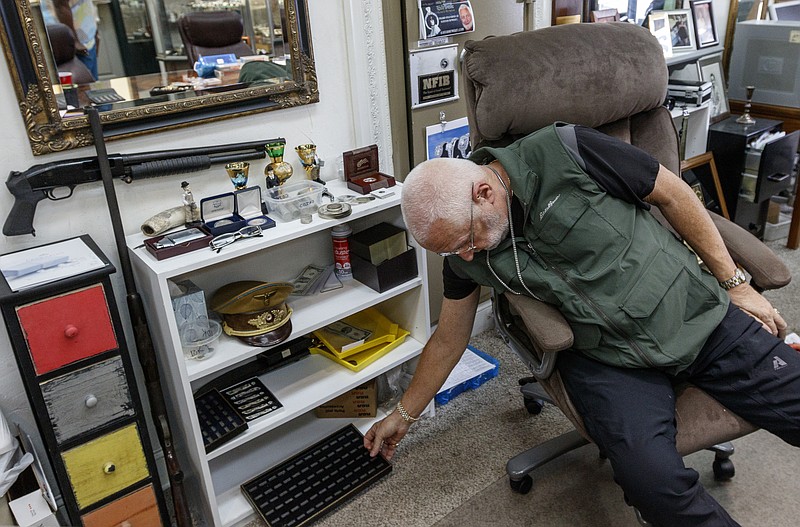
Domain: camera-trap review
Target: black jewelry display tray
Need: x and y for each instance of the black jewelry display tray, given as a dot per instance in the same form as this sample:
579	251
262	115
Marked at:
313	482
219	421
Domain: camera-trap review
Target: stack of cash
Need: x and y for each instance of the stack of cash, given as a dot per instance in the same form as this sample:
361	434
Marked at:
315	279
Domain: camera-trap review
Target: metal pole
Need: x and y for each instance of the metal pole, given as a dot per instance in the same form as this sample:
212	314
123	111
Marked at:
142	337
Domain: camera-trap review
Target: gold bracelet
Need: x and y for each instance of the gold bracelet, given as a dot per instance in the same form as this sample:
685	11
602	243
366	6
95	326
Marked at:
404	413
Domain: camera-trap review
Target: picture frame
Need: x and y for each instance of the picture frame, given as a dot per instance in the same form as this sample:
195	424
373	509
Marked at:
681	28
704	27
604	15
710	69
659	27
700	173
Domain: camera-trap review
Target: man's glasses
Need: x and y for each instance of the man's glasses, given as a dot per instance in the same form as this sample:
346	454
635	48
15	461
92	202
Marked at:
218	242
471	246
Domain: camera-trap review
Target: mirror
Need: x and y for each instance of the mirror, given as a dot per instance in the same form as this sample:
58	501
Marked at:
146	79
739	11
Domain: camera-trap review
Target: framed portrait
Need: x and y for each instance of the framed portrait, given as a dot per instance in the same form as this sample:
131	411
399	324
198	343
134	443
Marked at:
681	30
709	69
659	27
704	28
700	173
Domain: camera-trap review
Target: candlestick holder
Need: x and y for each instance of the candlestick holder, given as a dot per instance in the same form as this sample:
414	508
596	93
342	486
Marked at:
746	118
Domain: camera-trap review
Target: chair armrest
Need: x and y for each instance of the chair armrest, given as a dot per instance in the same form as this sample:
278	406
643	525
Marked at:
545	328
766	268
546	325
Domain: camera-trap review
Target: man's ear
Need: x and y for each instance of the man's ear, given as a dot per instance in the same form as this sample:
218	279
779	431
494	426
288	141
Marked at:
483	191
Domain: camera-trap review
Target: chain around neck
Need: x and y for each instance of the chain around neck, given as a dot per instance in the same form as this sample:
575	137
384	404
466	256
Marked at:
513	243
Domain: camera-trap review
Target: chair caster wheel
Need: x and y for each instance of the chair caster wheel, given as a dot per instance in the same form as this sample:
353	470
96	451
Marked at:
534	406
522	486
723	469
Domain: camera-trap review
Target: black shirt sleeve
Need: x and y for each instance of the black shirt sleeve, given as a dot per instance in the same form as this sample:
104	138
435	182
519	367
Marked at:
455	287
624	171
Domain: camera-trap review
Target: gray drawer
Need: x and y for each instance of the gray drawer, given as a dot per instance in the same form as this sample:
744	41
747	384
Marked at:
87	398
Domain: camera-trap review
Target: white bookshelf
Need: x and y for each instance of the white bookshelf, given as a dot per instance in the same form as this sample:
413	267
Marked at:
213	479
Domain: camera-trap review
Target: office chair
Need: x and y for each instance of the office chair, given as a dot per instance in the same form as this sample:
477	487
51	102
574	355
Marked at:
62	43
212	33
612	77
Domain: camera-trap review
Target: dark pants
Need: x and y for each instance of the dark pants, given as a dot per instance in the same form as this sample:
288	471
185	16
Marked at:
630	414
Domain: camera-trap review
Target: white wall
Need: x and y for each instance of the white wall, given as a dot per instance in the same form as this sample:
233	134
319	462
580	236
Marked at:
335	124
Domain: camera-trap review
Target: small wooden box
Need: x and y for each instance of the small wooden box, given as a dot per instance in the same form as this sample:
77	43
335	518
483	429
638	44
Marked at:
361	170
153	244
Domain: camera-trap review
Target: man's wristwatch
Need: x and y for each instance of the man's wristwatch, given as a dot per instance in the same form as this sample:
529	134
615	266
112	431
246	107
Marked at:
738	278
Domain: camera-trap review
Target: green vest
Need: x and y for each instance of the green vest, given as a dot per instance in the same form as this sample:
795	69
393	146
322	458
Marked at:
633	294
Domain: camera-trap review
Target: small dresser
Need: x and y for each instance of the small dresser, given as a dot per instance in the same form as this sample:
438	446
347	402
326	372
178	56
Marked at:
70	348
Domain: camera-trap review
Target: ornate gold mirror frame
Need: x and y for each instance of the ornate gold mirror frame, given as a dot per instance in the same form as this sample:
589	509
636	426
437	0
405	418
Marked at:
25	53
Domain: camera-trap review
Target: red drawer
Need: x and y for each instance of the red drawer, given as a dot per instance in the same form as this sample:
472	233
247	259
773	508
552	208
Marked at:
67	328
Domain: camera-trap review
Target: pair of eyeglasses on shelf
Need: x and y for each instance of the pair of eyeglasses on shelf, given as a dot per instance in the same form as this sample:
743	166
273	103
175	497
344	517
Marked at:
218	242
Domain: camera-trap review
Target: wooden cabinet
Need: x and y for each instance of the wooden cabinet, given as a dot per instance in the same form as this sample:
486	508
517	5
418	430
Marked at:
69	346
213	479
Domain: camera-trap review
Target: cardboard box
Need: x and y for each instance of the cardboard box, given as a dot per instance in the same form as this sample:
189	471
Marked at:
361	170
379	243
388	274
358	402
32	510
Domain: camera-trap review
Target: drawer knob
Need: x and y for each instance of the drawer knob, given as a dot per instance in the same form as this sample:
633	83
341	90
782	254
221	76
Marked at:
91	401
108	468
71	331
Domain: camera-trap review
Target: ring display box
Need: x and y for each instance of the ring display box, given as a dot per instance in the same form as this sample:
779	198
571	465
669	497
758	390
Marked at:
231	211
361	170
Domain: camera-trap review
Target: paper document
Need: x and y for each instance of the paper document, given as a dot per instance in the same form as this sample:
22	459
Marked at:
469	367
48	263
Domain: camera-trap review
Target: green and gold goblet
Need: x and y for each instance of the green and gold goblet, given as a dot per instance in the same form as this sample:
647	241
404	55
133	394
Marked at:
279	168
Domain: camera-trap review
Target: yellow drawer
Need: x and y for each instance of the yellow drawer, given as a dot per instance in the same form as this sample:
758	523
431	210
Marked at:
103	466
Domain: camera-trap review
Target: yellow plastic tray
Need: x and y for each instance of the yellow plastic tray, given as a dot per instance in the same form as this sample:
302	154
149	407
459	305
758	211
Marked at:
382	330
359	361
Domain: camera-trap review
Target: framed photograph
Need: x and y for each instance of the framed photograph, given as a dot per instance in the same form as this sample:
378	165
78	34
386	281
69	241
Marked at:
704	27
681	30
605	15
659	27
700	172
448	139
709	69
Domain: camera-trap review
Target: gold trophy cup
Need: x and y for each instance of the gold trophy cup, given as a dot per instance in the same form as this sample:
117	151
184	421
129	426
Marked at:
278	169
238	172
308	156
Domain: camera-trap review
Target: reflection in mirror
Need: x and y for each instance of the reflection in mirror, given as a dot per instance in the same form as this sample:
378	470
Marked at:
153	64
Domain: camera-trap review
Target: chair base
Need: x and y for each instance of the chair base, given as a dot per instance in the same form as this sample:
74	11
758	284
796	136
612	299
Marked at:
520	466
